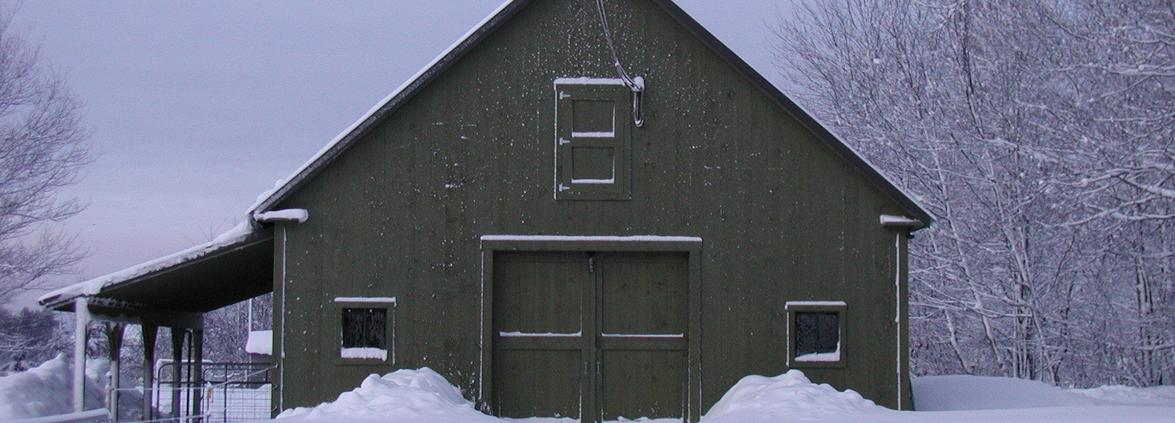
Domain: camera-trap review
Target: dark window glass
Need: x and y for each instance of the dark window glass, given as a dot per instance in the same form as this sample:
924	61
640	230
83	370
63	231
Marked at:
365	328
816	332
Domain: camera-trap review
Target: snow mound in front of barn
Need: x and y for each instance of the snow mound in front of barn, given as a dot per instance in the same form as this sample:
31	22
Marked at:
419	396
403	396
425	396
787	397
48	390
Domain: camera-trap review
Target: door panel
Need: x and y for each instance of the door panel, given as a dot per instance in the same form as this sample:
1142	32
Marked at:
643	352
539	348
644	293
539	292
605	330
642	384
538	383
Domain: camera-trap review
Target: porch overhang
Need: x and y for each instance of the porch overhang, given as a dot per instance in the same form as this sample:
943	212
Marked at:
174	291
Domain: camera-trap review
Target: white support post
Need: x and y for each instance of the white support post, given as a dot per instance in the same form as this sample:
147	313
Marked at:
114	332
81	313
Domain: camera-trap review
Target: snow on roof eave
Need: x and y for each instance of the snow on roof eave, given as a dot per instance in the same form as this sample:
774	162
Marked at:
505	10
402	93
238	236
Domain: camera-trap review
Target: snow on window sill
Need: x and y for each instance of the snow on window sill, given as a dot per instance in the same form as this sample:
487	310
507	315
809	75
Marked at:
828	357
364	353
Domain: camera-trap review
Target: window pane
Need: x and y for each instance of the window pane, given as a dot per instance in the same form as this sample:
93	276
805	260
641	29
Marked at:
816	332
365	328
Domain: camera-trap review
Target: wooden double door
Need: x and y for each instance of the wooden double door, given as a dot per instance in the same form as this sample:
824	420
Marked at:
596	336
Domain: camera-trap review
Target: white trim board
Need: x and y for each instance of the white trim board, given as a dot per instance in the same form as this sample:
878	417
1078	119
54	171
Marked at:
593	238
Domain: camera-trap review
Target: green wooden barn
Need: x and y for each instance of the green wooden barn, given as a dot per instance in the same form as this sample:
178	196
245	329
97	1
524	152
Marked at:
562	228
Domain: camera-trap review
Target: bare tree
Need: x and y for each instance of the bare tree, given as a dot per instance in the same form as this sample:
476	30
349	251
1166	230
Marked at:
1041	134
42	147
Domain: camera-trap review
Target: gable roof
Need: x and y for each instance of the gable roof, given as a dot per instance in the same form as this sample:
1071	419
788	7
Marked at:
500	16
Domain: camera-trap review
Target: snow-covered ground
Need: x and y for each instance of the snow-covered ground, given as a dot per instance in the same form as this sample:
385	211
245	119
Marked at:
48	389
408	396
425	396
946	393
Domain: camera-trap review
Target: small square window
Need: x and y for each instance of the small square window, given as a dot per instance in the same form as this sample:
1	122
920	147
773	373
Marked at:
816	333
365	329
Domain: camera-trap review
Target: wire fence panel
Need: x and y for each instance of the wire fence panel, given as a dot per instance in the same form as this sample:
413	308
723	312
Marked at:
225	393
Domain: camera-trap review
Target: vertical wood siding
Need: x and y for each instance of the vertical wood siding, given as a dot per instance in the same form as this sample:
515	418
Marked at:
400	214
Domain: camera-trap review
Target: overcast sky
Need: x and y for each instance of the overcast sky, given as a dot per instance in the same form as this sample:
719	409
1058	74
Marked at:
197	107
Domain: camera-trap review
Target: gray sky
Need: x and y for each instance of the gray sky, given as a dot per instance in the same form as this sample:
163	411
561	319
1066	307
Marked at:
197	107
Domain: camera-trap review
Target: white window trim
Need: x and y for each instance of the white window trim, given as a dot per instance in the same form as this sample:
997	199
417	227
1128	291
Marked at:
839	307
386	303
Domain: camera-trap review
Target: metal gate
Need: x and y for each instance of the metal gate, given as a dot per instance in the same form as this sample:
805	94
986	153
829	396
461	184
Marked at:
227	392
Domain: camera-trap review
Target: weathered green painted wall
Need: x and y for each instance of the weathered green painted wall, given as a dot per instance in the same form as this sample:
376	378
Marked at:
400	213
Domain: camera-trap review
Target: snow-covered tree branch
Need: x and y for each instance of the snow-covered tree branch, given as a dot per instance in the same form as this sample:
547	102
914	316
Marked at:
1041	135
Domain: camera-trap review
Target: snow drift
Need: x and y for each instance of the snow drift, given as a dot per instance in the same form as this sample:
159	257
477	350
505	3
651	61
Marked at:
787	397
1151	395
48	389
958	392
404	396
418	396
425	396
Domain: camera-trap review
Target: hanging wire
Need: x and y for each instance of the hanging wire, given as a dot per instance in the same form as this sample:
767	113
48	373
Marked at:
637	85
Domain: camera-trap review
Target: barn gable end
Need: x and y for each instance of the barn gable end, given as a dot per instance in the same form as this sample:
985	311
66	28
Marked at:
461	168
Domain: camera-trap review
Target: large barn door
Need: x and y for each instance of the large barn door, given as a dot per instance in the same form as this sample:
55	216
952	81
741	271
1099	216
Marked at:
540	351
590	335
643	319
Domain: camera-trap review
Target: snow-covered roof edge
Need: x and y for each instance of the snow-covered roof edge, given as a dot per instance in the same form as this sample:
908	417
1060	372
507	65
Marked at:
474	36
903	221
287	215
240	234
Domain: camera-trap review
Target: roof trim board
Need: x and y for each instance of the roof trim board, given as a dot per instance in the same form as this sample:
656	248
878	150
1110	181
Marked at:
502	14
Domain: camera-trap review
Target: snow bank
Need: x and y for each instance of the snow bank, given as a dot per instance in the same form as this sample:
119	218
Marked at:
787	397
403	396
792	397
959	392
48	389
418	396
1152	395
